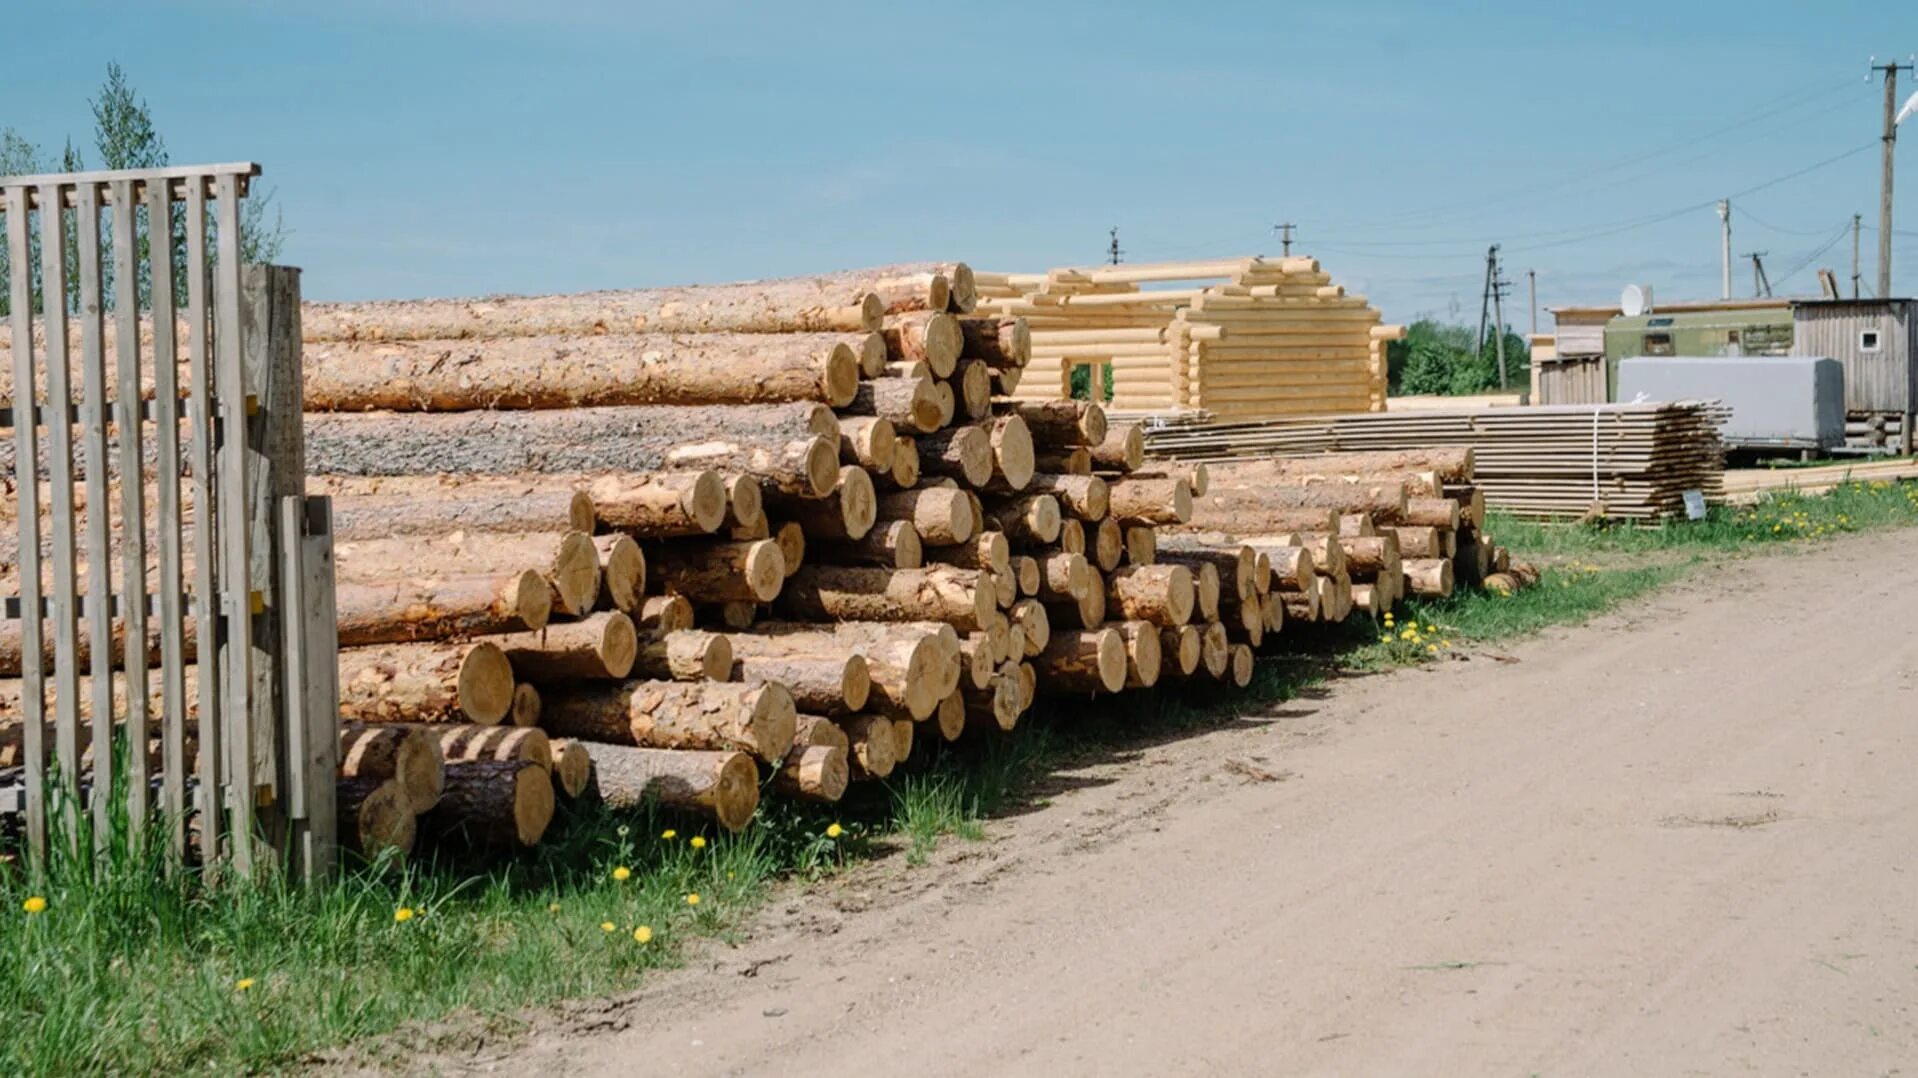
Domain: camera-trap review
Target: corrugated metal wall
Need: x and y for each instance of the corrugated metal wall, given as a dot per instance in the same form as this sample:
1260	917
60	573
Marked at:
1880	381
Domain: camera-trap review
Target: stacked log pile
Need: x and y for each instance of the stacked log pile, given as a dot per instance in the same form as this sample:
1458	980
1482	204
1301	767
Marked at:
1242	337
1622	461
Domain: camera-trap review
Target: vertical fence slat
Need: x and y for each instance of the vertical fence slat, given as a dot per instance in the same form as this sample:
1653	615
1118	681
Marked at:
59	423
166	422
99	513
26	478
311	671
230	476
206	547
133	555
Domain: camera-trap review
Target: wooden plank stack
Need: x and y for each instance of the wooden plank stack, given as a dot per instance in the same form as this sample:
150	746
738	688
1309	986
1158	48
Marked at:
1245	337
1624	461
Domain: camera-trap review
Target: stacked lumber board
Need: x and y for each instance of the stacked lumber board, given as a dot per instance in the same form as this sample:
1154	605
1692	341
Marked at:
1623	461
1748	485
1241	337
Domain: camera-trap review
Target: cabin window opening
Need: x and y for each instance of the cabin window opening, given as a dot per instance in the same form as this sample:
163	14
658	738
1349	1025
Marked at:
1867	340
1658	344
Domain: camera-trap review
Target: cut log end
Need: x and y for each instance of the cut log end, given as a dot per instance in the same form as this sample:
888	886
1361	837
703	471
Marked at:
575	579
839	381
486	684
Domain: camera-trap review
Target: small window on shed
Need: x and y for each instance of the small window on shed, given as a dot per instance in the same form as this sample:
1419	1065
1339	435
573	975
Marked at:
1867	340
1658	344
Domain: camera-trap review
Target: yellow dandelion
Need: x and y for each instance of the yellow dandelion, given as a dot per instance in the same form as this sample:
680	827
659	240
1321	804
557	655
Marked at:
1385	638
1431	649
669	834
698	842
834	830
1431	628
552	907
34	904
643	934
1409	634
622	873
243	984
608	926
1444	642
403	914
693	899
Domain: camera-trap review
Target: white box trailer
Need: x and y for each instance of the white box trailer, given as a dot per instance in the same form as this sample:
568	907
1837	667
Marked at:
1776	402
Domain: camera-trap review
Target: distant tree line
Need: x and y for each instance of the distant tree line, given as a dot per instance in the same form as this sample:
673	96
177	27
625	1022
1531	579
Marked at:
1436	358
124	136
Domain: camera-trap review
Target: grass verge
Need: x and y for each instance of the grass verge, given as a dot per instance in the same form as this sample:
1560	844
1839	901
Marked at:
116	964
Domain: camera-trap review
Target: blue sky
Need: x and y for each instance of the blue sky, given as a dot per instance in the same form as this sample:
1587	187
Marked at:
423	148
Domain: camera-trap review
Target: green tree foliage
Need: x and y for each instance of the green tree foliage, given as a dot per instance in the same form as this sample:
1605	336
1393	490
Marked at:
125	136
1436	358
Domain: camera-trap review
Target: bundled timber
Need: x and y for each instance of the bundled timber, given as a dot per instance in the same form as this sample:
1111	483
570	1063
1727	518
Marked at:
576	371
410	756
719	784
676	715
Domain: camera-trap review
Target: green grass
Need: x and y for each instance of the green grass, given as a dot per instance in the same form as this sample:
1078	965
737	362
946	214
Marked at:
134	968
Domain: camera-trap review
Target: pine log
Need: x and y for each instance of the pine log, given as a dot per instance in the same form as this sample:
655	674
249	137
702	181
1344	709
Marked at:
677	715
867	441
1453	464
426	682
375	816
572	766
1108	545
872	746
1440	513
1365	600
1025	568
962	453
1234	562
902	741
664	614
1241	512
1429	577
411	507
1012	451
1144	656
1205	579
583	371
941	515
909	666
622	572
1061	423
957	597
493	803
1215	650
927	286
752	438
463	744
1141	544
1083	496
1065	577
661	505
1356	526
847	513
685	655
1088	611
988	550
599	647
1072	536
905	464
814	773
1149	501
720	784
1030	520
745	503
568	561
1240	672
1162	594
1080	661
1029	616
1001	342
1062	461
978	661
931	337
836	302
838	684
909	404
409	755
1121	450
993	707
714	572
1367	559
893	544
1179	650
810	731
1386	502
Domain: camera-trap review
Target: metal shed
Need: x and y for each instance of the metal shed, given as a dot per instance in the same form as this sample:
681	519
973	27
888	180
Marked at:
1874	338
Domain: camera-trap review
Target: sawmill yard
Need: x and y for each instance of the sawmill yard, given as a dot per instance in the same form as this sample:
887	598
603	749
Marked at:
1560	842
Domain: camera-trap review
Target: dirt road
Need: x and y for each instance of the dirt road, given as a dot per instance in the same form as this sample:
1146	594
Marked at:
1682	840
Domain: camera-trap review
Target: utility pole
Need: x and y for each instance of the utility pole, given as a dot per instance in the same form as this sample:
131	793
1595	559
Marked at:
1485	301
1531	297
1761	286
1725	249
1499	284
1884	195
1285	236
1112	250
1857	221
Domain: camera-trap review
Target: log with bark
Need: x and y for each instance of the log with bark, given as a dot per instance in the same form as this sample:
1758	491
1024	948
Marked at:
1030	520
664	614
837	684
942	516
426	682
1013	453
867	441
872	746
932	337
963	453
622	572
893	544
1084	497
1179	650
685	655
1428	577
572	765
1058	424
676	715
715	572
584	371
847	513
989	550
958	597
1001	342
908	403
664	505
1239	511
501	804
567	560
597	648
1081	661
409	755
375	816
462	744
814	773
1121	450
1149	501
721	784
395	505
996	706
1108	545
1235	562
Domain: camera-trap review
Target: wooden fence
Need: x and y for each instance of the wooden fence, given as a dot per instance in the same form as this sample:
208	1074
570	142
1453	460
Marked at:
179	548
